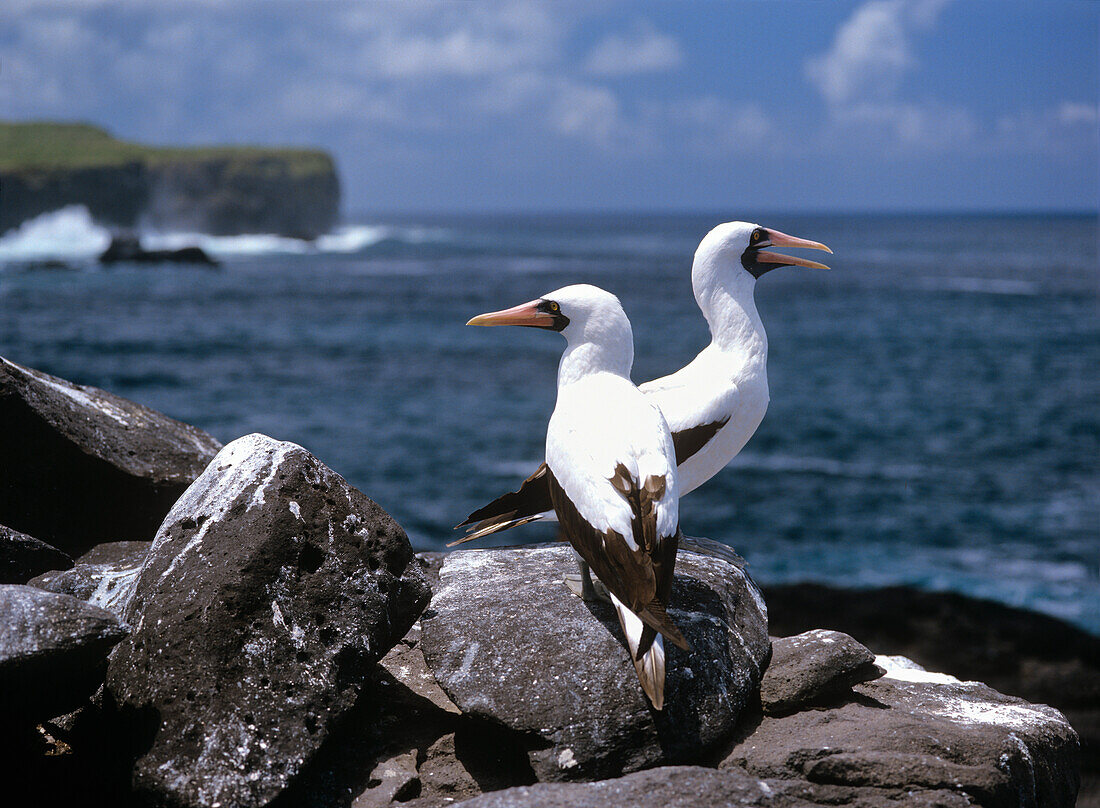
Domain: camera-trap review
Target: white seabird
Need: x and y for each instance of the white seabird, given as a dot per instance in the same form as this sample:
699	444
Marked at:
610	469
714	404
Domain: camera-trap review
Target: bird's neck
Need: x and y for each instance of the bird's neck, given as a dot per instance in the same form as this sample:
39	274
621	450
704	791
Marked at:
587	358
734	322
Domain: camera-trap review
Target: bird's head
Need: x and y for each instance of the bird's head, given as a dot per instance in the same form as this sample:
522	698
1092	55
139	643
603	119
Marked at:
583	314
744	249
578	311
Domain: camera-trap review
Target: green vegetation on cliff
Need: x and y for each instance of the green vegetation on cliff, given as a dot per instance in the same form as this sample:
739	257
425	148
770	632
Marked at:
212	189
42	146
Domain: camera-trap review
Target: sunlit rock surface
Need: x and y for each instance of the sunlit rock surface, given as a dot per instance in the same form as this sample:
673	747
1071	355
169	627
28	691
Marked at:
269	590
80	466
509	643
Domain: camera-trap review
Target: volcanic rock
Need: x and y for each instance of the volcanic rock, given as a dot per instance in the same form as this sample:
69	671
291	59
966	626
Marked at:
914	732
22	557
510	644
104	576
53	652
813	666
666	787
128	248
80	466
270	588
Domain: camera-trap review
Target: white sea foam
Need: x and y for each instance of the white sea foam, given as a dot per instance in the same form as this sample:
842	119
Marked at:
69	233
344	239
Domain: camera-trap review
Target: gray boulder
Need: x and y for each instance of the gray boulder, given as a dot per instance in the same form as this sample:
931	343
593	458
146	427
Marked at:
80	466
269	590
104	576
22	557
53	652
812	667
509	643
666	787
918	733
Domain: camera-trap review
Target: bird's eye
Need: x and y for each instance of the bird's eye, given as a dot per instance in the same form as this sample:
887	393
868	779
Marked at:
554	306
757	236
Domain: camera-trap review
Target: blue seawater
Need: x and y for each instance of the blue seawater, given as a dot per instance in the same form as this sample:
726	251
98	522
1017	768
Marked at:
935	415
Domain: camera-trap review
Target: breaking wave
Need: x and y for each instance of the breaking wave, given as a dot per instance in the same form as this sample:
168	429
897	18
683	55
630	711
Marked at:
66	234
72	234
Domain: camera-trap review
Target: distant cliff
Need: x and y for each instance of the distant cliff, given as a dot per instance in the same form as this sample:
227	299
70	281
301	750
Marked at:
219	190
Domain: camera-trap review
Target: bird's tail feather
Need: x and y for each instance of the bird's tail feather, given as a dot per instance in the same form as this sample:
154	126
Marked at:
647	650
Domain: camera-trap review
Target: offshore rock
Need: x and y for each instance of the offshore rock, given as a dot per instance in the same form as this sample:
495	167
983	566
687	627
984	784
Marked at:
22	557
125	248
53	652
104	576
510	644
917	734
814	666
666	787
270	589
80	466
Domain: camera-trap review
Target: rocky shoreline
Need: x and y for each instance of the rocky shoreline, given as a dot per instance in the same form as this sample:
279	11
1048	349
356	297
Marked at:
187	624
222	190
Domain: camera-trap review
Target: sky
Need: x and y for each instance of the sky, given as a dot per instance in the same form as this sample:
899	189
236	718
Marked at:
517	105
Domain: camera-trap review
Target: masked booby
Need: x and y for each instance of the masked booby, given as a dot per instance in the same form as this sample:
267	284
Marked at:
610	469
714	404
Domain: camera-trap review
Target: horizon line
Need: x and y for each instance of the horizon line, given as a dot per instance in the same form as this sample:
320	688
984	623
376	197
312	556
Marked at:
716	212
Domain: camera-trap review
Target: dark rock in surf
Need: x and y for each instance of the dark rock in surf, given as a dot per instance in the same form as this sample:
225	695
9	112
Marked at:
269	590
80	466
814	666
104	576
129	249
511	645
22	557
53	652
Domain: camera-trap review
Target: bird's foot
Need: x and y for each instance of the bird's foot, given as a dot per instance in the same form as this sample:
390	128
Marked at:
587	589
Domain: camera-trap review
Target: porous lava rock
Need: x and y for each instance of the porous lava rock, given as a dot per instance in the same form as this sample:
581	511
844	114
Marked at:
53	652
268	592
812	667
665	787
511	645
104	576
22	557
80	466
913	732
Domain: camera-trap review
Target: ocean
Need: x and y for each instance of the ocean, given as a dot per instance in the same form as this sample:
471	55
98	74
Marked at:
935	413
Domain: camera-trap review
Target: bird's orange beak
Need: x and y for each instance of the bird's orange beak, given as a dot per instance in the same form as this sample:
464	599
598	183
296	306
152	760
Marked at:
777	239
527	314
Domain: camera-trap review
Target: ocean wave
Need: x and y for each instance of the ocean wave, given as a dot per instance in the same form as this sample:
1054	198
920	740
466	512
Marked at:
345	239
66	234
985	286
72	234
824	466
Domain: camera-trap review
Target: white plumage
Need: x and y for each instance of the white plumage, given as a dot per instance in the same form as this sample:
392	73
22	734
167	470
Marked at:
715	403
611	467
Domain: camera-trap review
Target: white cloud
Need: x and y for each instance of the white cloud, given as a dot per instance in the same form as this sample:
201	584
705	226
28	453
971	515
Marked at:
1072	113
861	76
869	55
643	50
716	126
910	125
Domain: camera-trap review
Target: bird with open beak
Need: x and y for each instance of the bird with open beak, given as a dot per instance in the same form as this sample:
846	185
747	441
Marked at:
714	404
